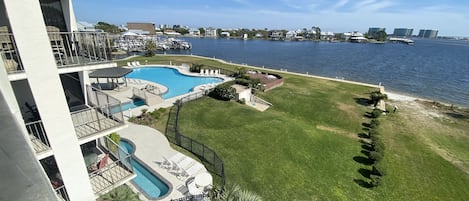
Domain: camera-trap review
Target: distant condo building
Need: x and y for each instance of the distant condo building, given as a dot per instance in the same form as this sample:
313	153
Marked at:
373	31
211	32
428	33
146	28
403	32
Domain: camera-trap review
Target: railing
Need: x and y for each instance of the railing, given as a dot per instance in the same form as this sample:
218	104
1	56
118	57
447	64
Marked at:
107	104
105	113
262	101
191	198
205	153
9	53
119	169
62	193
38	136
79	48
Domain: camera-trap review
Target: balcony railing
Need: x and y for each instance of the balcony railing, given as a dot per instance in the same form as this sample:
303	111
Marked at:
9	53
62	193
38	136
79	48
104	113
115	172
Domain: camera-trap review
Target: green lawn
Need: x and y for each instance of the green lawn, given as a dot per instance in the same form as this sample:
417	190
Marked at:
306	147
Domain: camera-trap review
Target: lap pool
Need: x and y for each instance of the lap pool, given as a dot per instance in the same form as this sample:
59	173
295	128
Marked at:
177	83
147	182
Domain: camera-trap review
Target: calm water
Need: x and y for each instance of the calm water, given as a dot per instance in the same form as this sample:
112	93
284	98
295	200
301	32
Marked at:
176	82
433	69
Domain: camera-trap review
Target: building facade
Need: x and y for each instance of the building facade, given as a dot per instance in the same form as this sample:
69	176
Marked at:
373	31
428	33
403	32
64	120
147	28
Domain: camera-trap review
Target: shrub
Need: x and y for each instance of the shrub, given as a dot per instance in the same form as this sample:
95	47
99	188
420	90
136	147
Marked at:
376	156
378	145
373	132
224	92
376	113
375	180
378	169
242	81
374	123
116	138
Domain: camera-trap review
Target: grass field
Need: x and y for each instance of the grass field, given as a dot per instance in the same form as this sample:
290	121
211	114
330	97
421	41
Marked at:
307	146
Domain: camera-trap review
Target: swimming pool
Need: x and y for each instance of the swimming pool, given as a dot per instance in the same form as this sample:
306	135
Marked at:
151	185
177	83
128	105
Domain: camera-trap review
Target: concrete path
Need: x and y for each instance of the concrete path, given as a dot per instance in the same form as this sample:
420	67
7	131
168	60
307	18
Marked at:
150	146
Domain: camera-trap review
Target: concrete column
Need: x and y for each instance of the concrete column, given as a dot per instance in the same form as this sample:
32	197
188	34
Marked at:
29	30
84	80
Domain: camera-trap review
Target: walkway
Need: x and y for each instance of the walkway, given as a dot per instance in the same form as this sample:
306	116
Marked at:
151	145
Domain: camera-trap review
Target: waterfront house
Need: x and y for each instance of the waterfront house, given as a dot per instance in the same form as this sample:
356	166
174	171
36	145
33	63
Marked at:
276	35
64	121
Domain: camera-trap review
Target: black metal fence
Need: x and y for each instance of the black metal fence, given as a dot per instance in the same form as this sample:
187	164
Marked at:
206	154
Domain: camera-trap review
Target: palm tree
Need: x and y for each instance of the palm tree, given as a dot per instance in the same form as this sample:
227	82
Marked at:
235	193
121	193
150	48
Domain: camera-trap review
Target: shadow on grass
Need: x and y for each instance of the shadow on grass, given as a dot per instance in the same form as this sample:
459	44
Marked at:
366	125
363	160
457	115
362	101
362	183
367	147
363	135
366	153
365	172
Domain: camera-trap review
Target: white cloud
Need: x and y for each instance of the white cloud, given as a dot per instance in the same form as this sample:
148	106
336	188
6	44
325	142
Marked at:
340	4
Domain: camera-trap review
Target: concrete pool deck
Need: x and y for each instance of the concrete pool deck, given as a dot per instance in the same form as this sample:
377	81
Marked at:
150	147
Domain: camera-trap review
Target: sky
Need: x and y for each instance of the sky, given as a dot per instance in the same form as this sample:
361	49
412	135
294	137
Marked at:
450	17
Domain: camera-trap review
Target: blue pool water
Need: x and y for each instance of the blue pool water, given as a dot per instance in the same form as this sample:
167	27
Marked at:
176	82
145	180
129	105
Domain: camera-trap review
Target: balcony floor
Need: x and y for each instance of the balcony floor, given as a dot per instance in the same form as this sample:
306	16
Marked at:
38	145
103	181
88	126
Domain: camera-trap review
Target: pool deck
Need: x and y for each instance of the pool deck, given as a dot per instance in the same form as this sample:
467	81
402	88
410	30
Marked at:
124	93
150	147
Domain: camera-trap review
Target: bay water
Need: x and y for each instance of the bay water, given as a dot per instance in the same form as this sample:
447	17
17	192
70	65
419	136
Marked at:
430	69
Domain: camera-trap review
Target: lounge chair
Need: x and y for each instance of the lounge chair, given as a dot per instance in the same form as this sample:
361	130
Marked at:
129	65
186	162
193	170
137	63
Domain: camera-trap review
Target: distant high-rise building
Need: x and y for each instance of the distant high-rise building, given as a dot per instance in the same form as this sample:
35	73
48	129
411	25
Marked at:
403	32
373	31
147	28
428	33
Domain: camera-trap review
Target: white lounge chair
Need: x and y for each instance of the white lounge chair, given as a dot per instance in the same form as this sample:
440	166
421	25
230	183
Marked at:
177	157
211	72
128	64
193	170
137	63
186	162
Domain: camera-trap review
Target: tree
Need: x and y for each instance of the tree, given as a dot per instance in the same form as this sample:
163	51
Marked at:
235	193
182	31
377	96
150	48
202	31
109	28
121	193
